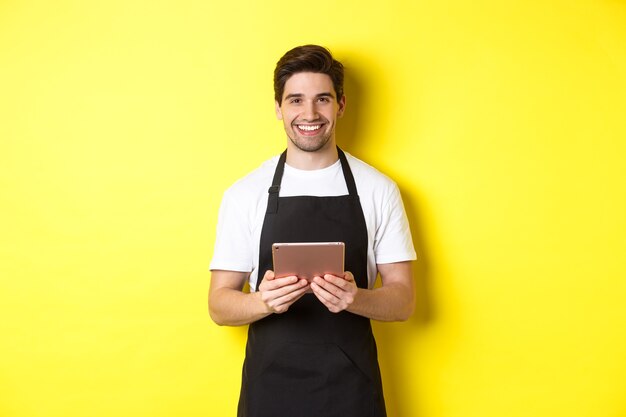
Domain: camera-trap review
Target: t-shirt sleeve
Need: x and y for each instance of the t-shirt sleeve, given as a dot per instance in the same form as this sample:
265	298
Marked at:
393	241
232	250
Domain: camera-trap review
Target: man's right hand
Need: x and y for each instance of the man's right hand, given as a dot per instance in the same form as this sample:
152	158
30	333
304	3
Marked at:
279	294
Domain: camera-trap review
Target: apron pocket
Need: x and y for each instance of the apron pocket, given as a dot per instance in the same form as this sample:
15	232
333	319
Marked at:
310	380
352	392
290	382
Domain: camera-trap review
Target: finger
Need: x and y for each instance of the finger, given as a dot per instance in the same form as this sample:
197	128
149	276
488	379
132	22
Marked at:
322	295
271	292
281	304
269	275
337	281
323	292
276	283
331	287
333	296
346	277
291	297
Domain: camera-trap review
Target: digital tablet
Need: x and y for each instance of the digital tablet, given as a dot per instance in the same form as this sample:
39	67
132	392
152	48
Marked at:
308	259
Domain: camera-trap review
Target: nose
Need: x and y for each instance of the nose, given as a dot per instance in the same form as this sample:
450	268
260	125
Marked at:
310	111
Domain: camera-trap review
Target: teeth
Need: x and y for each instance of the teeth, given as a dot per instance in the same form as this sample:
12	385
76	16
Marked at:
309	128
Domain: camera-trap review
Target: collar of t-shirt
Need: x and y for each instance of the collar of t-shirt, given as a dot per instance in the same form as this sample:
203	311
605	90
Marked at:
327	181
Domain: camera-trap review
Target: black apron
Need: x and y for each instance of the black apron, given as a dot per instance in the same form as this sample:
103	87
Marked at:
309	362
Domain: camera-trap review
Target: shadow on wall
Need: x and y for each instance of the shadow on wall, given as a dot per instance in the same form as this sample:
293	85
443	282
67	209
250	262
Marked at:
390	337
347	131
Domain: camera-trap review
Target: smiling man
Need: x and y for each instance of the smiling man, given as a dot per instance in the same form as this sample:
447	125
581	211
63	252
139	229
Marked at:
311	351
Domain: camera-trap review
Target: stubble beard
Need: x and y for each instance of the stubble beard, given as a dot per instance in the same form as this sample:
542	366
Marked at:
308	144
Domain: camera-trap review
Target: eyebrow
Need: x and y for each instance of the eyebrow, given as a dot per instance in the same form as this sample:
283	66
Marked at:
300	95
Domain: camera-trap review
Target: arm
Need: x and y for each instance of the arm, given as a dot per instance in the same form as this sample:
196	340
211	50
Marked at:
229	305
393	301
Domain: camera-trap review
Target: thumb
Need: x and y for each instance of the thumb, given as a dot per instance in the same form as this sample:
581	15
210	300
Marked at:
269	275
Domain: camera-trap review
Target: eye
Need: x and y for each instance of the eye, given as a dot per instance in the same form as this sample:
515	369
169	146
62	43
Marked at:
295	101
324	100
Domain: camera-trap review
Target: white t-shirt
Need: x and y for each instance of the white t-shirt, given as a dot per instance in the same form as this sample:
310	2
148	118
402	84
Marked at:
244	204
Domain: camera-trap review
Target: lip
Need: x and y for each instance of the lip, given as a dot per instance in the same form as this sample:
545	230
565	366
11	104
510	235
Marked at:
306	132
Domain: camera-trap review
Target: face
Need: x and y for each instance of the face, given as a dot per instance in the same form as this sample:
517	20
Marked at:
309	111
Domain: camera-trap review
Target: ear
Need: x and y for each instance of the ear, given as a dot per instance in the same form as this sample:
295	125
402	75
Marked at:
279	113
342	106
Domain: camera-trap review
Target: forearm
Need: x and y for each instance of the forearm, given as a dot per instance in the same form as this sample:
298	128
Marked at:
392	302
232	307
229	305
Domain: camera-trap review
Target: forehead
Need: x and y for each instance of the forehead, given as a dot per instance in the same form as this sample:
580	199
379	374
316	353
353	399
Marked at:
309	83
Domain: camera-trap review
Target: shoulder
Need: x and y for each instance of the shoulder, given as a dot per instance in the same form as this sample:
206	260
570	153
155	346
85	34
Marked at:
369	178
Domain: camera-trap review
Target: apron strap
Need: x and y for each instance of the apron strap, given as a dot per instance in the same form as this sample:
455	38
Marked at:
347	173
272	203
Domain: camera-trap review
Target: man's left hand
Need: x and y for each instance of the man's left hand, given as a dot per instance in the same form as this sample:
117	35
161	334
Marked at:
336	293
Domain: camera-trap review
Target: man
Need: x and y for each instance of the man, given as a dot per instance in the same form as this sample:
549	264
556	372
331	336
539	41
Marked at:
310	348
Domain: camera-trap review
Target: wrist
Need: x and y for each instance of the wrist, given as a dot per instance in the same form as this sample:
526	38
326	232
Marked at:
260	305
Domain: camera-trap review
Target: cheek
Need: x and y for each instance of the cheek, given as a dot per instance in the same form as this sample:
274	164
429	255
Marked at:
289	118
288	123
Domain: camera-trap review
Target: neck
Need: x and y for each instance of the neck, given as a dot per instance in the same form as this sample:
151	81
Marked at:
309	161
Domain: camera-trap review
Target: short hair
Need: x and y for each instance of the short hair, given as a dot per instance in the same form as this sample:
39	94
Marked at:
307	58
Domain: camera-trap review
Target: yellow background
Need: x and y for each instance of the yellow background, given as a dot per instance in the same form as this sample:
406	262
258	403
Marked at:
122	123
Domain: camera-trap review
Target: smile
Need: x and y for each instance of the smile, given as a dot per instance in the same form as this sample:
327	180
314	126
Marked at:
309	128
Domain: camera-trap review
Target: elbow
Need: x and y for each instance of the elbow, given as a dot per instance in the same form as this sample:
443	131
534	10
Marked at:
216	319
408	306
219	322
404	315
215	315
408	310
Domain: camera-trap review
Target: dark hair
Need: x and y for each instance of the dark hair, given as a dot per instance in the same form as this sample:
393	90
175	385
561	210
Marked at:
307	58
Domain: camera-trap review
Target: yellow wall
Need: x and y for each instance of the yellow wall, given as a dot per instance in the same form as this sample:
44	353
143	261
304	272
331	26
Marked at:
122	122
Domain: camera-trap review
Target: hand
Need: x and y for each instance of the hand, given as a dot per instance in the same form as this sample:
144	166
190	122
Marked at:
336	293
278	294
